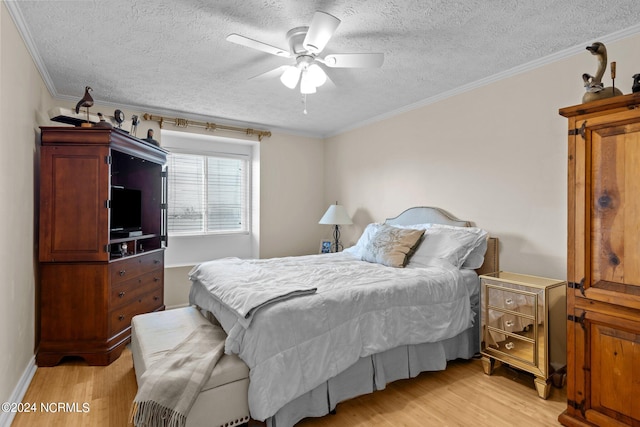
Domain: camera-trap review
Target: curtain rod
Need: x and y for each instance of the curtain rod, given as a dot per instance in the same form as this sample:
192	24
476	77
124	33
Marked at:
183	123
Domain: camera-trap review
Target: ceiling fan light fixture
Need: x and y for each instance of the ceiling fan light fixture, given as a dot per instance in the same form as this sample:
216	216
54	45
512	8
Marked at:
316	75
290	77
306	85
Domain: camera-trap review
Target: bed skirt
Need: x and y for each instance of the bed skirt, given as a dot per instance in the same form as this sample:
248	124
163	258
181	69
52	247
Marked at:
374	372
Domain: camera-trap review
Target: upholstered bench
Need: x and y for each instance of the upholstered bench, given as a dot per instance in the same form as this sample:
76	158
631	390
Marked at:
223	400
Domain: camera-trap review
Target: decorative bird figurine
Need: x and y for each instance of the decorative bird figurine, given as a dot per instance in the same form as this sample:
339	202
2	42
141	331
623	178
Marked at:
636	83
103	123
589	85
86	101
593	84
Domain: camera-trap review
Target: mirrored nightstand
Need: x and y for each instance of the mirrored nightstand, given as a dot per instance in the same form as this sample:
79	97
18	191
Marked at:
524	325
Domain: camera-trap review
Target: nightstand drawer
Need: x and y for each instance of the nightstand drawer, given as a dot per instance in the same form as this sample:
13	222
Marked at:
511	300
510	346
509	322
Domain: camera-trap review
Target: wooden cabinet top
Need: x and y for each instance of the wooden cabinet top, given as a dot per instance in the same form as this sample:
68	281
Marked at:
117	139
630	101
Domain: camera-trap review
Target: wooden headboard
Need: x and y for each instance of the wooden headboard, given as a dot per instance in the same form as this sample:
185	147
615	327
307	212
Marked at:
431	215
491	262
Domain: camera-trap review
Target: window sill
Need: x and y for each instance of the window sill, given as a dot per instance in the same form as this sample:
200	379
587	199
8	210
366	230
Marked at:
216	233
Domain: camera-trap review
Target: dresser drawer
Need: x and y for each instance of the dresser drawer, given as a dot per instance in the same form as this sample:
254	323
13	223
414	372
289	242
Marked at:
120	318
128	268
128	291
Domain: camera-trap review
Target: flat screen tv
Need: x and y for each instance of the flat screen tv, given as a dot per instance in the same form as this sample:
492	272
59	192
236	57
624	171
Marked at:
126	209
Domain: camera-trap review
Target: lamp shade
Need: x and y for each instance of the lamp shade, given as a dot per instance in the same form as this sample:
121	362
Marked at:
336	215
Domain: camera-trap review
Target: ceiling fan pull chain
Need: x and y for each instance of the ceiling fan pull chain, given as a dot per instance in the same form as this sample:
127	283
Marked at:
304	100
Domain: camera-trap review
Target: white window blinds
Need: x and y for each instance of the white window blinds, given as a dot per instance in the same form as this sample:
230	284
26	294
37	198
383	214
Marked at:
208	194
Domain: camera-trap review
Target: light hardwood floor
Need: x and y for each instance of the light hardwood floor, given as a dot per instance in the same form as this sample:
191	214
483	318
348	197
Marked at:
462	395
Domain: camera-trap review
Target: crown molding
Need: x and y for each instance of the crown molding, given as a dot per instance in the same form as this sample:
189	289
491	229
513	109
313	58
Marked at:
23	29
532	65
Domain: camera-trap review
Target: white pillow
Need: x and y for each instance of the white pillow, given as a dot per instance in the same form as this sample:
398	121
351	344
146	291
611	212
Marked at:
476	256
474	259
450	243
370	230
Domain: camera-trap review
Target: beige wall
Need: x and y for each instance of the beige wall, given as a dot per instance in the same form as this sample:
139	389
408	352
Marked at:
495	155
291	195
22	97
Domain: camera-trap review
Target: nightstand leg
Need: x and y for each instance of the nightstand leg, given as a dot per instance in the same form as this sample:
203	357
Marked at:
543	387
488	363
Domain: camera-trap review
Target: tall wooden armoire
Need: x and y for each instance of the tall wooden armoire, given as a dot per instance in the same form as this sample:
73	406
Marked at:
102	234
603	263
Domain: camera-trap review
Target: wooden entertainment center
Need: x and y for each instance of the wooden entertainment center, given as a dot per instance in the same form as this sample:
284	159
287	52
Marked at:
92	281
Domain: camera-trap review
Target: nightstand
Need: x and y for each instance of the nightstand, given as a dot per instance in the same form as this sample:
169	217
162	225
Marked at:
524	324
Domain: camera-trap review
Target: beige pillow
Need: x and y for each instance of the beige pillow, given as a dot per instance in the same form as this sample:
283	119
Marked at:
392	246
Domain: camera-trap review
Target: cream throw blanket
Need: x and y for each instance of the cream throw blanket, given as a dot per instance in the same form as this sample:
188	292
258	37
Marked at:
171	385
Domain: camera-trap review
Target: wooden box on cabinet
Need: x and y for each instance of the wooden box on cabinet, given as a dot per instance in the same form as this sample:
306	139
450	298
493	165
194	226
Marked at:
524	324
603	268
89	287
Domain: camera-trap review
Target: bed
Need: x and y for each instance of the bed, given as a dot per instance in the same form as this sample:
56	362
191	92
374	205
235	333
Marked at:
339	327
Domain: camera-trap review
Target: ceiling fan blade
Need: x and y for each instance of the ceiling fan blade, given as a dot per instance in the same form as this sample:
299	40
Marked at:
354	60
254	44
320	31
272	74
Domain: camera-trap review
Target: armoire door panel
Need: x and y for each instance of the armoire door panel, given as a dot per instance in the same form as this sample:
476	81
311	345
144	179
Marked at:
73	210
615	200
615	371
608	208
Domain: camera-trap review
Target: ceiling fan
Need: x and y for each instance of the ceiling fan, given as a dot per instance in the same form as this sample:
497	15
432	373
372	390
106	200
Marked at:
305	45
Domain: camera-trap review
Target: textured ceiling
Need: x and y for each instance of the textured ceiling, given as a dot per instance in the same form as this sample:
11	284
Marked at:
171	56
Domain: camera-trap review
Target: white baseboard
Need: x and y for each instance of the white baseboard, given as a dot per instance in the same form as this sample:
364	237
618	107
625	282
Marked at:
6	418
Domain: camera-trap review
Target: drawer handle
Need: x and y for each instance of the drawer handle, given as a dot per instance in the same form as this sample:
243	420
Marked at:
508	301
122	272
121	294
121	317
509	323
509	346
156	279
156	261
156	298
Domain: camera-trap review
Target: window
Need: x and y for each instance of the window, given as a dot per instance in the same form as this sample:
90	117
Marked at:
208	194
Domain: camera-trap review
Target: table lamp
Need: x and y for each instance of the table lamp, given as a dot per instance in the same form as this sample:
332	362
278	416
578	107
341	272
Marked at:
336	215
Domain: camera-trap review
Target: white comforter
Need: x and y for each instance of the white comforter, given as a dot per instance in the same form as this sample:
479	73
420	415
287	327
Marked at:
292	345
